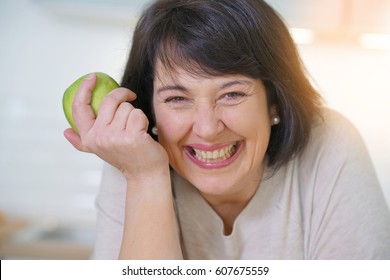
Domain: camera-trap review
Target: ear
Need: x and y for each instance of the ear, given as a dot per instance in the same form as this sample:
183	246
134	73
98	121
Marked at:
273	110
274	115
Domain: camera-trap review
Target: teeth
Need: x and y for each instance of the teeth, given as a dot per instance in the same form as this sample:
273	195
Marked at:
217	155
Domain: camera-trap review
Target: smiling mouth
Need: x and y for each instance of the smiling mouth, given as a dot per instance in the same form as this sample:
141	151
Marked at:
213	156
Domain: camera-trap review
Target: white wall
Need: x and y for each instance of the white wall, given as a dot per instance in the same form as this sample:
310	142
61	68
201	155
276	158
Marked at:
43	49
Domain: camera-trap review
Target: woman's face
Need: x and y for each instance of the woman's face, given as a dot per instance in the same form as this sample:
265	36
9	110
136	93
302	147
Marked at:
215	129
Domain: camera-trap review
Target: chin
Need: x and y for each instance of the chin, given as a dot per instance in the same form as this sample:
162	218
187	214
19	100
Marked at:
212	186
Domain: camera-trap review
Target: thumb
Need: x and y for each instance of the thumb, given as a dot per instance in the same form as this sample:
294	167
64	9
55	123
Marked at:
74	139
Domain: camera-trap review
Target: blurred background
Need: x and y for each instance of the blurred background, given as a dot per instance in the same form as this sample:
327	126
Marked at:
47	189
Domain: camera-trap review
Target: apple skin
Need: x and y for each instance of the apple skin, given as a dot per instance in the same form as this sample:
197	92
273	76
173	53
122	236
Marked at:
104	85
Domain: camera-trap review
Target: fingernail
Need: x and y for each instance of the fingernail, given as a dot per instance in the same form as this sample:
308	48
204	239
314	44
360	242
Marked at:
90	76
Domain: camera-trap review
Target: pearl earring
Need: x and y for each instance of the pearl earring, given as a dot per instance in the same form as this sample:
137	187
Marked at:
275	120
154	130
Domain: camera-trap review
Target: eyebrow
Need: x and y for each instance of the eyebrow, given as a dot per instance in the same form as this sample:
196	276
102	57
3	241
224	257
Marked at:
178	87
172	87
235	82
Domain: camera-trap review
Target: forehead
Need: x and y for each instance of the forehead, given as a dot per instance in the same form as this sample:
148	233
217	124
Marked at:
172	70
193	74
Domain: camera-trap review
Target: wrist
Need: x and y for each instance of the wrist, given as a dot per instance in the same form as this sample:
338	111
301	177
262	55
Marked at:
158	179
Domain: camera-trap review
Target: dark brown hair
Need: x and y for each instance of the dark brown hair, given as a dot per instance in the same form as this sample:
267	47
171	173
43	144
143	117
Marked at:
227	37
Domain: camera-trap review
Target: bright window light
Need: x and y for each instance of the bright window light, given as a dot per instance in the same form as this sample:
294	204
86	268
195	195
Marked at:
302	36
375	41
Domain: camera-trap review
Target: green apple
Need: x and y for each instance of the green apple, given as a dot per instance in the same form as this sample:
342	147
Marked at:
104	85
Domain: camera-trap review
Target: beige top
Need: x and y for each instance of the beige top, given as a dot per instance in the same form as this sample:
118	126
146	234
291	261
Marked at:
326	203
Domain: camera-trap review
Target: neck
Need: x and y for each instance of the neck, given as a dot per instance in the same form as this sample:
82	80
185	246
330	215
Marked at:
229	213
229	206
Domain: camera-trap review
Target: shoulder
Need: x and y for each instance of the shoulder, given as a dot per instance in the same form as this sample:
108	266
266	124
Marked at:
334	139
334	128
340	193
335	155
336	168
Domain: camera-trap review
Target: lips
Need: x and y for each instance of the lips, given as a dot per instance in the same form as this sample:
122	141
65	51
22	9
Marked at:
216	156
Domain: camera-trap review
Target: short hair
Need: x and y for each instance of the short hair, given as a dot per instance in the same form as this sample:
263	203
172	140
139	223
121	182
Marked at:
221	37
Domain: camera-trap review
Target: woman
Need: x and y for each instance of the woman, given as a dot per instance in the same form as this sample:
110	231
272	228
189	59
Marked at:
218	147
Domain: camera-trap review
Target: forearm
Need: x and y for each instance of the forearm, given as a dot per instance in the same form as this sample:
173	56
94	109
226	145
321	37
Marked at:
150	229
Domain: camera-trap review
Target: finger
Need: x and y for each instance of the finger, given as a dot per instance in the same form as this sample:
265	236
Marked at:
137	121
74	139
82	113
110	105
121	115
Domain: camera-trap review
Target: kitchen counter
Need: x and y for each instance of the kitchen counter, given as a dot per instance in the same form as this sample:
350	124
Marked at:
59	243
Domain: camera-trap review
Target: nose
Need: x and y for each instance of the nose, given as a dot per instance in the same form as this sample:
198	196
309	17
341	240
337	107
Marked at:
207	123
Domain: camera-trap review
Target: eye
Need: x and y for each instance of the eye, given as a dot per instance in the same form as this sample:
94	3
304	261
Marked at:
234	95
232	98
178	102
175	99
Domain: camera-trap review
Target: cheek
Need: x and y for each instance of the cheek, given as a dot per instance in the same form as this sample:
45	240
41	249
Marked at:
171	128
249	121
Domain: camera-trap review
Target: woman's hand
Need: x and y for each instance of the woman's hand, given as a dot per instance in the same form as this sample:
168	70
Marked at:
118	135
